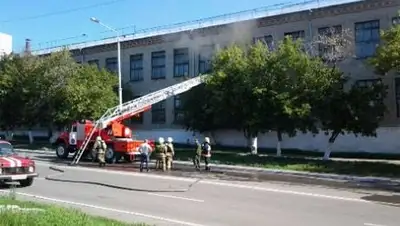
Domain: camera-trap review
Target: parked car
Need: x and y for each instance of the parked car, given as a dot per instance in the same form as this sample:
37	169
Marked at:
15	168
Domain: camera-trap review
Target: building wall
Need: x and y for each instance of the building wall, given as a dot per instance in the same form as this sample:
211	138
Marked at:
346	15
5	44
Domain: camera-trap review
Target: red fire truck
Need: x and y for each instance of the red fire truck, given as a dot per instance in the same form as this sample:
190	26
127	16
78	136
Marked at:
80	138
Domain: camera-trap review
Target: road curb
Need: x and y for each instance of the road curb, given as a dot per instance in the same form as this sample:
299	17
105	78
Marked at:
249	170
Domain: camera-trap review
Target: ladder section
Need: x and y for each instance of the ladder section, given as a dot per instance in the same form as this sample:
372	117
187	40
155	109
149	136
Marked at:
86	142
140	103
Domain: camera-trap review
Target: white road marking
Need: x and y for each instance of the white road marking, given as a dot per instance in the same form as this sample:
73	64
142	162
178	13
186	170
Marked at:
175	197
370	224
225	184
107	209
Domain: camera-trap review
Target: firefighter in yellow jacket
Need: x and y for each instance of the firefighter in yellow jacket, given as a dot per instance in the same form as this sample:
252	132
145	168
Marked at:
100	148
170	152
161	151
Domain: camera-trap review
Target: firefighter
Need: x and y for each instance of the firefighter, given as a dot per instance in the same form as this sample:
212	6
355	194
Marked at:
145	151
100	148
197	157
161	151
206	152
170	152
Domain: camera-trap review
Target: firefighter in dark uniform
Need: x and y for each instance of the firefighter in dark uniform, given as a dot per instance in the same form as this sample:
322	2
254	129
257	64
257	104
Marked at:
170	152
161	154
197	157
206	152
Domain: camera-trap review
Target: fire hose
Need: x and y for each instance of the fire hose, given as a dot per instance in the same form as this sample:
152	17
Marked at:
55	177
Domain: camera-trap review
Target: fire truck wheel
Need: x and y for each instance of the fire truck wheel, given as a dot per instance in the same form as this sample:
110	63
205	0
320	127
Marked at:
110	155
61	151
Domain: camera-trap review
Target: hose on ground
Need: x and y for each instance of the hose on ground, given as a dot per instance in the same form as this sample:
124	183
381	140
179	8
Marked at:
61	172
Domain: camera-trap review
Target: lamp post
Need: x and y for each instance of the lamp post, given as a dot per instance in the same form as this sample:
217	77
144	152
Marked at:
95	20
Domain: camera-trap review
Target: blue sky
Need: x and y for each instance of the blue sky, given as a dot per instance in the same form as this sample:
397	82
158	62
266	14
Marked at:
39	20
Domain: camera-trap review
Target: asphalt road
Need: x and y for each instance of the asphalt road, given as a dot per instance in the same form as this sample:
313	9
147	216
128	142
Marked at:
214	202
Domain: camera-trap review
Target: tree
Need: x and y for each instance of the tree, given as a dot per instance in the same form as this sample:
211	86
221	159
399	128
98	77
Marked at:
255	90
199	115
358	110
52	90
233	92
13	72
344	107
90	92
292	82
387	57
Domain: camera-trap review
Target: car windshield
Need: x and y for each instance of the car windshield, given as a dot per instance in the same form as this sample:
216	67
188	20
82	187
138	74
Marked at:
6	149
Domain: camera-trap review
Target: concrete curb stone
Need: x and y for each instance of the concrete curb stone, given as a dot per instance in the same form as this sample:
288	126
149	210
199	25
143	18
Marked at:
247	169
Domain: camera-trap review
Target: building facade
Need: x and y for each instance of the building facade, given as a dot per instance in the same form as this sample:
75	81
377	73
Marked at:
5	44
159	60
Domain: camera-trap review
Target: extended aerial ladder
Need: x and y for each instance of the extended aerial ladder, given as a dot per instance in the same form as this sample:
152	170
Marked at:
134	107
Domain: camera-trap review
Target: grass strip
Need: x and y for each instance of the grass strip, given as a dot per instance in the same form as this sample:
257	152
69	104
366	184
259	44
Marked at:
38	214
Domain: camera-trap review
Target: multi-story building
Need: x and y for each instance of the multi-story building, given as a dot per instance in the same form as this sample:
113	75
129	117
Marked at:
158	58
5	44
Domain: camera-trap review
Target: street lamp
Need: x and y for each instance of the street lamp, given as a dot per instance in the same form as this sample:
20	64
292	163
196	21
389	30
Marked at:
95	20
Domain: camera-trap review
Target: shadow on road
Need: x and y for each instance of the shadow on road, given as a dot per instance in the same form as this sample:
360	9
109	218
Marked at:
390	200
215	174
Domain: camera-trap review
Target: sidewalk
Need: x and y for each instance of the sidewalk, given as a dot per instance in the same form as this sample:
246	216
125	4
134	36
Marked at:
247	169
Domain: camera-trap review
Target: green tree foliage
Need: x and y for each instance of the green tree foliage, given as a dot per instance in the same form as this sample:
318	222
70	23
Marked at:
286	90
90	92
52	91
357	110
198	110
387	57
344	106
255	90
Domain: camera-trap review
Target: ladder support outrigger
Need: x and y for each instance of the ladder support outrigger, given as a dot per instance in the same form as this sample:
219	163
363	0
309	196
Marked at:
135	106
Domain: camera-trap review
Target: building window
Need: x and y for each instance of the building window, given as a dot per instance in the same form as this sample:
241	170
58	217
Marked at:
205	56
366	38
329	38
137	119
368	83
397	91
295	35
158	113
268	40
136	62
178	110
181	62
158	65
94	62
112	64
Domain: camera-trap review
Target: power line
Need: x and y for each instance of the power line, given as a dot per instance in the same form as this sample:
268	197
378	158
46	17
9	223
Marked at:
61	11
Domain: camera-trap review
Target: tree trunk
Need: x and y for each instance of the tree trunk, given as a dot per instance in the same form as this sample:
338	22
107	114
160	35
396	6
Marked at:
49	132
252	141
278	145
254	145
30	135
328	149
9	135
212	133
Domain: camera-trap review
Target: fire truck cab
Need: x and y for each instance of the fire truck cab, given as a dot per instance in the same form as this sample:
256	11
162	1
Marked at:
117	136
